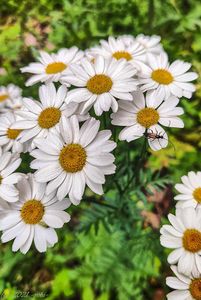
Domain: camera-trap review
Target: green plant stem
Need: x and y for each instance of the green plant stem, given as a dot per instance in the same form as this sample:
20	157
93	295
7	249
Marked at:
142	159
151	15
90	200
118	186
136	172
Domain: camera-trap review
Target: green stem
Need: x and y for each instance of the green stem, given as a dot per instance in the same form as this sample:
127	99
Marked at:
136	172
128	161
90	200
150	15
142	159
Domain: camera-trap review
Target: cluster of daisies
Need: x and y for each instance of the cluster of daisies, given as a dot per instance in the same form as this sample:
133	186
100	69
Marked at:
129	76
184	237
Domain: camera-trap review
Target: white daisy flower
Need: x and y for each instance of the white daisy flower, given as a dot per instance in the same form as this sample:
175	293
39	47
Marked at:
186	288
33	217
184	235
8	164
120	48
100	83
9	138
167	79
151	43
74	158
10	96
142	116
51	67
38	119
190	190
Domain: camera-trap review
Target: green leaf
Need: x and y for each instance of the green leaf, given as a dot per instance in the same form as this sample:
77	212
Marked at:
87	293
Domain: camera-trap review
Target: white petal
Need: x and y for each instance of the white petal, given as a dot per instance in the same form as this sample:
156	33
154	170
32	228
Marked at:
185	264
179	295
132	133
21	239
175	283
94	174
89	131
48	173
174	256
12	232
95	187
64	188
10	220
40	239
25	248
52	220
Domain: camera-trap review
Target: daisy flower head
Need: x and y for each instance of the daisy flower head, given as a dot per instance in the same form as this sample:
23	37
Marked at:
8	165
51	67
101	83
9	138
186	287
151	43
184	236
74	158
167	79
142	117
38	119
34	217
190	191
10	97
126	48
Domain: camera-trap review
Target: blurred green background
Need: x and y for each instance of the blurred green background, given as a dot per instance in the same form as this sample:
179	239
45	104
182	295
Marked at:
98	258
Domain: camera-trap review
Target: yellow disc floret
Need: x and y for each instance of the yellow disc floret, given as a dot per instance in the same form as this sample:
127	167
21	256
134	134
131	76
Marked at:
55	68
49	117
147	117
3	97
32	211
197	194
162	76
122	54
99	84
192	240
12	134
195	288
72	158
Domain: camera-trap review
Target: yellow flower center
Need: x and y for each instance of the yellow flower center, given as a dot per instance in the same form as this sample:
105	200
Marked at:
72	158
147	117
162	76
49	117
32	211
99	84
13	133
56	67
192	240
3	97
197	194
195	288
1	178
122	54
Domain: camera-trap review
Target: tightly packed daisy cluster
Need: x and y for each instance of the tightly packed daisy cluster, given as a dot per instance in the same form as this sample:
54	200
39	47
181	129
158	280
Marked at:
184	237
129	76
